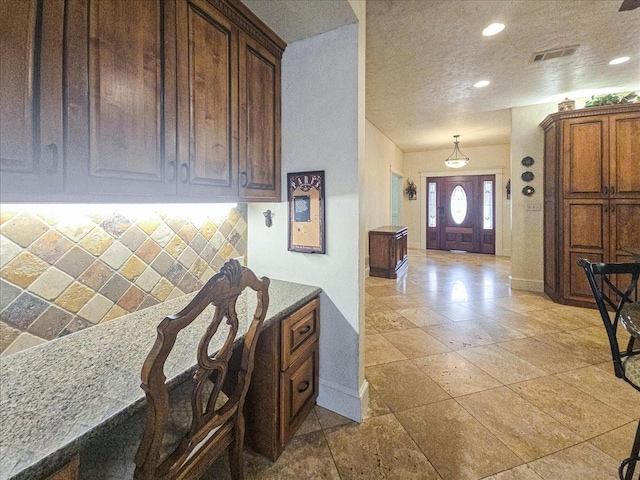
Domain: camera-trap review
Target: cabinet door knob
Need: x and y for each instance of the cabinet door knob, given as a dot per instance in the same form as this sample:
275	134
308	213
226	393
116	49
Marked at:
302	386
243	179
53	166
185	170
172	171
305	329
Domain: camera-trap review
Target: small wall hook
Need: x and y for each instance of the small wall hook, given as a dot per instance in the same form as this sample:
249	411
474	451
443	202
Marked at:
267	218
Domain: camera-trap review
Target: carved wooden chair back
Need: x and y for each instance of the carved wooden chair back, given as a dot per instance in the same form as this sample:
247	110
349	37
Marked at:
214	424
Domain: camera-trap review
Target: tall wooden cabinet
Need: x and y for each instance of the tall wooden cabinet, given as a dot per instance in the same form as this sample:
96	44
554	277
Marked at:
156	100
592	194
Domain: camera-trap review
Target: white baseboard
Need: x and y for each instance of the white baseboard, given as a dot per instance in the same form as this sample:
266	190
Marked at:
345	401
526	284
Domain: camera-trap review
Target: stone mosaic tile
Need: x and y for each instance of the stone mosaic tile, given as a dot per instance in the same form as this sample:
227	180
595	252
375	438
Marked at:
208	230
187	257
74	326
115	225
6	215
75	261
24	310
8	250
24	269
189	283
116	312
133	268
227	250
116	255
241	246
51	246
234	216
7	335
175	223
50	323
96	275
96	242
175	273
208	253
148	301
22	342
148	279
51	284
217	262
175	247
162	290
8	293
115	287
133	238
95	309
198	243
77	228
74	297
175	293
187	232
148	251
217	240
198	268
226	228
150	224
162	235
24	229
132	298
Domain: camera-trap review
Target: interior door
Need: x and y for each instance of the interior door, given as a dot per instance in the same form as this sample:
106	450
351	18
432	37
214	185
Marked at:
461	213
396	198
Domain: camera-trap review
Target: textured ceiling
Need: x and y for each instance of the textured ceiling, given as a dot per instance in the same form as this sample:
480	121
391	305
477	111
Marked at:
423	56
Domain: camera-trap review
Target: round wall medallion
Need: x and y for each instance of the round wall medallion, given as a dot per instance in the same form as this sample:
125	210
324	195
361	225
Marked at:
527	161
528	190
527	176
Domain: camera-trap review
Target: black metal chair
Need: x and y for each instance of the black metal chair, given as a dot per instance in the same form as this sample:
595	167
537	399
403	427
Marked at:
615	285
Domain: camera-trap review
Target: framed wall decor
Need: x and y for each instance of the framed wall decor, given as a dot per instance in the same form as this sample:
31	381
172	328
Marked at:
305	193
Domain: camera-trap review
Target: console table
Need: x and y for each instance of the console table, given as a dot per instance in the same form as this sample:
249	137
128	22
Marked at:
388	251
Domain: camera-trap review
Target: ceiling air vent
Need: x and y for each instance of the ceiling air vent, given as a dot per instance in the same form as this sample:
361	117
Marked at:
554	53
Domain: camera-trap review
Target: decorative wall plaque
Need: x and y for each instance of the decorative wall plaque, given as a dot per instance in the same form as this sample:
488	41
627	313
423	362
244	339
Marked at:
306	212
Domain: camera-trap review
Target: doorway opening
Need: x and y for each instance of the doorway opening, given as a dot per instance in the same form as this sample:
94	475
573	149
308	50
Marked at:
461	213
396	198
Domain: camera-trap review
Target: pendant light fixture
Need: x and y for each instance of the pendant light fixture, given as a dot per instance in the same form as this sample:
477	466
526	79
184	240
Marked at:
457	158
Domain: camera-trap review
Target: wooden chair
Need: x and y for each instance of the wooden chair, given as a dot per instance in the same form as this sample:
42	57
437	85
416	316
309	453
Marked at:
189	427
615	285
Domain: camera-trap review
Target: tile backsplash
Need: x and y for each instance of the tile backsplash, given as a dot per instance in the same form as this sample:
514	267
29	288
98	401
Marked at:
69	267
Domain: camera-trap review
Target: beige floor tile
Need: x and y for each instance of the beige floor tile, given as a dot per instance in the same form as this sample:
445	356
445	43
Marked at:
501	364
403	385
551	359
522	472
486	308
329	419
605	387
307	456
524	428
457	313
457	444
525	324
516	304
377	448
566	318
585	349
580	462
384	291
456	375
387	321
617	443
582	413
459	335
424	316
397	302
310	424
377	406
380	350
415	343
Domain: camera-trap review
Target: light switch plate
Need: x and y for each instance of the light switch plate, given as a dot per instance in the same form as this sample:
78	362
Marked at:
533	206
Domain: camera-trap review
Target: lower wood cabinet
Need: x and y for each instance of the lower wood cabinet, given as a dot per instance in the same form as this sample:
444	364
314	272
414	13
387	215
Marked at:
388	251
284	383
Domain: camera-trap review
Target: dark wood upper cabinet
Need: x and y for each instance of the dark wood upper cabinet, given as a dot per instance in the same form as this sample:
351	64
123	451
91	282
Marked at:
163	100
31	96
116	64
592	195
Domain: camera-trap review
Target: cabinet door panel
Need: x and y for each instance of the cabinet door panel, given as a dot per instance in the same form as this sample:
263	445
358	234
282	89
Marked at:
259	83
207	48
115	98
625	148
31	97
585	162
625	228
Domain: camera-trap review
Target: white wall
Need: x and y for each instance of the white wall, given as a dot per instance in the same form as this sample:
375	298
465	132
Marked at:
382	157
322	129
490	159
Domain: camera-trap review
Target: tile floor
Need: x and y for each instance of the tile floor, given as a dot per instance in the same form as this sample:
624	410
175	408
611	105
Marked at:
471	380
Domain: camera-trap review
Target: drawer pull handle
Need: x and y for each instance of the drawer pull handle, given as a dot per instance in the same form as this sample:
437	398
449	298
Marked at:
305	329
303	386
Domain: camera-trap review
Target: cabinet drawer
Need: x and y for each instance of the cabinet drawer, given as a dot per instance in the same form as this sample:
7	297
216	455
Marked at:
298	331
299	390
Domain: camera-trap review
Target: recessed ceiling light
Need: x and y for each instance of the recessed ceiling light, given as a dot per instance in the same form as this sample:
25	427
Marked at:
481	83
493	29
619	60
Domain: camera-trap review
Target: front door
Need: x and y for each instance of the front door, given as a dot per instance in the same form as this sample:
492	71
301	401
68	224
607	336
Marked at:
461	213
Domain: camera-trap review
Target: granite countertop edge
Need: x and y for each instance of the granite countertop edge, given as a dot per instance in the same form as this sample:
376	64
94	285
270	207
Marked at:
284	298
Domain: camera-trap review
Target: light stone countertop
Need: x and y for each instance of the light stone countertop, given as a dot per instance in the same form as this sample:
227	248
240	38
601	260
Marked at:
57	396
